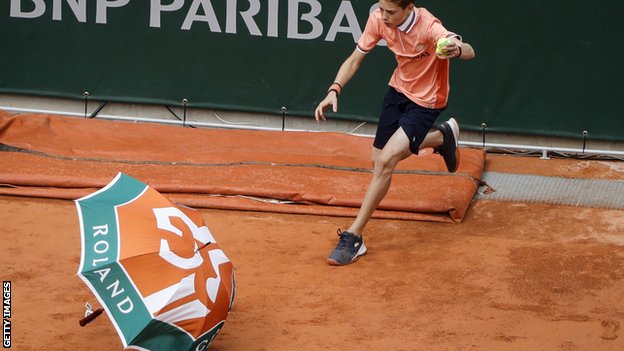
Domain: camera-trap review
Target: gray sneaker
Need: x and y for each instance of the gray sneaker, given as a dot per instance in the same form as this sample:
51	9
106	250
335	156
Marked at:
448	149
349	247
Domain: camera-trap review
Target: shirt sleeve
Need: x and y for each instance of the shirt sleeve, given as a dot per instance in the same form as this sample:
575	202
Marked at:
371	35
437	31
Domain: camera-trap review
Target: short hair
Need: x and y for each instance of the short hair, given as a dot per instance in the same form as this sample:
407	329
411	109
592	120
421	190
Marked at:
403	3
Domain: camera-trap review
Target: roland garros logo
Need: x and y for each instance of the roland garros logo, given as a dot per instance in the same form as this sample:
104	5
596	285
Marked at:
192	284
181	291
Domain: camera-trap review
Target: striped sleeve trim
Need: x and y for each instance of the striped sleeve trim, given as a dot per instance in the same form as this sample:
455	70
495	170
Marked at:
361	50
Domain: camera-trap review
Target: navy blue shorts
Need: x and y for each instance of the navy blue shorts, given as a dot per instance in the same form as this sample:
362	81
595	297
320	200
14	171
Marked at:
399	111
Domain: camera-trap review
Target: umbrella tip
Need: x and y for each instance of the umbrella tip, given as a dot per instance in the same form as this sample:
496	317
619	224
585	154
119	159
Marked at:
90	314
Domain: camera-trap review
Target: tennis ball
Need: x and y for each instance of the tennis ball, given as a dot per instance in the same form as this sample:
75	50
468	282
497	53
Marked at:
442	42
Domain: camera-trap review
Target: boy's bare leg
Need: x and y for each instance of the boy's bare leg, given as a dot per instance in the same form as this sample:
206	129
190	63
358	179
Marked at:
432	139
384	162
351	245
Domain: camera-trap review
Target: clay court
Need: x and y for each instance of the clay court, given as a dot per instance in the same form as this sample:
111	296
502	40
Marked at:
464	274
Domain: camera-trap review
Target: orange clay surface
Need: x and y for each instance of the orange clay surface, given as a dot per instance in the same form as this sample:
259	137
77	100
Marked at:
510	276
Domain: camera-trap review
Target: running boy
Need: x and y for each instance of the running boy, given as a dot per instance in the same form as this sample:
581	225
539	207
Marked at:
418	93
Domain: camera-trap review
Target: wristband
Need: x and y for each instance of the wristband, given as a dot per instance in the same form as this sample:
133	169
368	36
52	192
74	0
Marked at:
337	87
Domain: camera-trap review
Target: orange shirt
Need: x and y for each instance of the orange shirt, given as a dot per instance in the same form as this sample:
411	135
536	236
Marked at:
419	75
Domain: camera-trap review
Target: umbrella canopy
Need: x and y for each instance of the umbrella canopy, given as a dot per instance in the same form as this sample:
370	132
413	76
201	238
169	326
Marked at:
154	266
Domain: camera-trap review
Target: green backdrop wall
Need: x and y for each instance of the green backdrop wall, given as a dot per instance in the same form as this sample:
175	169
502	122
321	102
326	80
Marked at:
542	67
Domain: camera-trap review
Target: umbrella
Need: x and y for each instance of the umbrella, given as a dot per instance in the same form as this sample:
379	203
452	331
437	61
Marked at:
154	266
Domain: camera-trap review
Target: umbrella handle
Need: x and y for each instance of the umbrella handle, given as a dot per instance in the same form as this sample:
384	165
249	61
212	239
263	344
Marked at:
86	320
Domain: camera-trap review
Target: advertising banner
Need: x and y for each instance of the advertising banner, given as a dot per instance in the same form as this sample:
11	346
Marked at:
541	67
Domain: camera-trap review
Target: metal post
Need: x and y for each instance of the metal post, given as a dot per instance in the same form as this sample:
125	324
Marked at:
483	126
283	109
585	133
86	100
184	103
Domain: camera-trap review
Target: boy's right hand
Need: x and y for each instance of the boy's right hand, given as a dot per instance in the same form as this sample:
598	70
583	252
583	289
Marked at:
330	100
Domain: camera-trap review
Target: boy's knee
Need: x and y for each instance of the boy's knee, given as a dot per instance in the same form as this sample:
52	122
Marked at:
384	163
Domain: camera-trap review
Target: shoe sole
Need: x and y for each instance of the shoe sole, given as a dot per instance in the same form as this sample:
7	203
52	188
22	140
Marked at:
455	129
453	126
360	252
